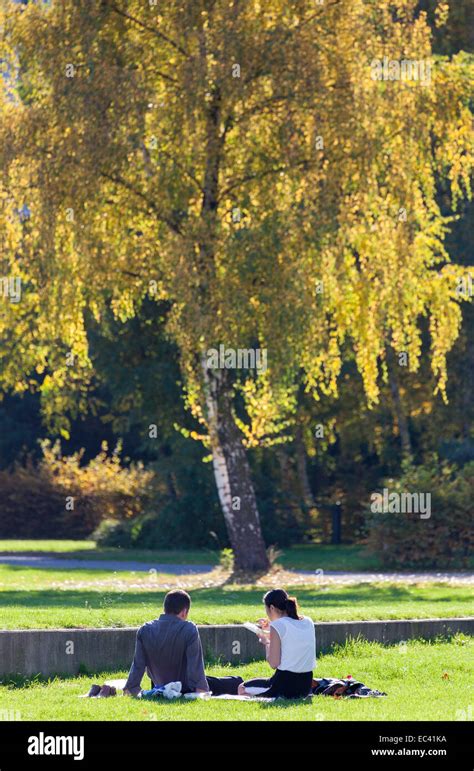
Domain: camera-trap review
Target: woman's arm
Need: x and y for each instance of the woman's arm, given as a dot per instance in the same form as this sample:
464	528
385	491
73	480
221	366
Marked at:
273	648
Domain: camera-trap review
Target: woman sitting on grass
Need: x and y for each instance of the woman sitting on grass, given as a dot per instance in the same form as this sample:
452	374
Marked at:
290	647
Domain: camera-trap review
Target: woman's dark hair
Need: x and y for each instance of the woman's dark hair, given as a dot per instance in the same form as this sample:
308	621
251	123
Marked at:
279	598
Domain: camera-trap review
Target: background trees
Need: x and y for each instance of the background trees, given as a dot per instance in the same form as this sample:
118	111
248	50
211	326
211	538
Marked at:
236	166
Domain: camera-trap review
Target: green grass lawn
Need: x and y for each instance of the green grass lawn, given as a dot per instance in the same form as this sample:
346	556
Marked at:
424	681
31	598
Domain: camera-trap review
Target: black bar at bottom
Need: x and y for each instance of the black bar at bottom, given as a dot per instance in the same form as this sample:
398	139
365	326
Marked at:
128	742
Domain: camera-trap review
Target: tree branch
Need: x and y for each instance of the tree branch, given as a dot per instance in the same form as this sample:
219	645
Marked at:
172	224
183	169
153	31
150	168
261	106
305	163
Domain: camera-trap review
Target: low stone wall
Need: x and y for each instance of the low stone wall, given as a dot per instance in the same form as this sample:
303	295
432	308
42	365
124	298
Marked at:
70	651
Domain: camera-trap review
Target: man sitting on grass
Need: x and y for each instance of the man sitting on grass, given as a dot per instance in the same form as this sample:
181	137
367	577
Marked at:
170	649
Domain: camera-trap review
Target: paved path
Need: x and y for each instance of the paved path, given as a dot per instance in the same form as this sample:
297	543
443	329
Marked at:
320	576
113	565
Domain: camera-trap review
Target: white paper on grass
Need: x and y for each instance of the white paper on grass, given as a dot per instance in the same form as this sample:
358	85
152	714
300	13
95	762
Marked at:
244	698
119	684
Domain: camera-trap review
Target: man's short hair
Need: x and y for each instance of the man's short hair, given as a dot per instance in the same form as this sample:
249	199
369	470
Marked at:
176	601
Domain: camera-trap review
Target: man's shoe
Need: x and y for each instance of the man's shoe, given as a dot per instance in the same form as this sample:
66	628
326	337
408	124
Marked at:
94	691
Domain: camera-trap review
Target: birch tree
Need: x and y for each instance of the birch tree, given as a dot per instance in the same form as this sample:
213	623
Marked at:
268	168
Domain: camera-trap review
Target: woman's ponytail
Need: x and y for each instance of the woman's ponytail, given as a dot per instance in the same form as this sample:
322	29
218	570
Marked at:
292	608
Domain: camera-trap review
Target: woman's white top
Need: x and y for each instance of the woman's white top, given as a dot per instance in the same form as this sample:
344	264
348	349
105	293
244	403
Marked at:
298	643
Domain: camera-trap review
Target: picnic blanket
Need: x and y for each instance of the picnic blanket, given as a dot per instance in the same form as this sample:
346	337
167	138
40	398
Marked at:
347	688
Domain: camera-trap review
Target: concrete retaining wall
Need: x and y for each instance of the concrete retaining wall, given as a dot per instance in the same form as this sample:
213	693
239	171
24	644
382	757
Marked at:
69	651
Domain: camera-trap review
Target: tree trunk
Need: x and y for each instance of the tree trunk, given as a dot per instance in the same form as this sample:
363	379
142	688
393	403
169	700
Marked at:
231	468
400	416
232	475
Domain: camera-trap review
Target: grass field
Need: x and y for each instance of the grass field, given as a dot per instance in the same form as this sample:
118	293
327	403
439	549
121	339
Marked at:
424	681
31	598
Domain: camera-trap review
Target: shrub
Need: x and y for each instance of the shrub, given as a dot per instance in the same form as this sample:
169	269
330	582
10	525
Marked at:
113	533
226	559
445	539
182	523
58	497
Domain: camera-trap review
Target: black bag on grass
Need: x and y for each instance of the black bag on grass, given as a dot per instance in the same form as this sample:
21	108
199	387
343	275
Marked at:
353	689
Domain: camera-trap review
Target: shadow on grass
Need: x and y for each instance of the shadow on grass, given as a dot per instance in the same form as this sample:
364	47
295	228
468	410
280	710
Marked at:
225	596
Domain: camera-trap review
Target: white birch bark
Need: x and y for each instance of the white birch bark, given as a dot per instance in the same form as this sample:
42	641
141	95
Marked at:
219	463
